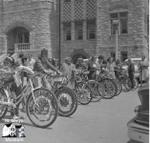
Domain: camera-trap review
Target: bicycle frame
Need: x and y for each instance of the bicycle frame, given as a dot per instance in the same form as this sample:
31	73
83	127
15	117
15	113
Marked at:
29	89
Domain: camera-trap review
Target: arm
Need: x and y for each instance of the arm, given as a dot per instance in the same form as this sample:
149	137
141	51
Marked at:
51	66
39	67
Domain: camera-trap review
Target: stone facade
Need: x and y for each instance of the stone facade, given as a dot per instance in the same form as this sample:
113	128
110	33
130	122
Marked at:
78	11
40	20
135	41
36	17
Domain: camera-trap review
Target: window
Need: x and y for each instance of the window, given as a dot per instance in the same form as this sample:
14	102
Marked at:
114	27
67	31
79	30
91	29
122	24
22	37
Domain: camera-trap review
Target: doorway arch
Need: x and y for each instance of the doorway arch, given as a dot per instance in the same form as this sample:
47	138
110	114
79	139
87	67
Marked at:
17	38
79	53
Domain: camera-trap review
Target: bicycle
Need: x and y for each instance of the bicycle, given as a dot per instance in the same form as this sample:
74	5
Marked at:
41	104
66	97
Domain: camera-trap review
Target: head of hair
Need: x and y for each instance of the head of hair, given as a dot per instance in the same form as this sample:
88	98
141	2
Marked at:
44	52
100	57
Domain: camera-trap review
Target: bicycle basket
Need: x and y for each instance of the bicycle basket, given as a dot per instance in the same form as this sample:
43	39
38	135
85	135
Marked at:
5	77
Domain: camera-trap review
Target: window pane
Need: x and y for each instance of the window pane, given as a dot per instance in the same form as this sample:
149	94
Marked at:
123	26
91	29
68	36
114	15
114	27
19	37
67	31
79	30
26	37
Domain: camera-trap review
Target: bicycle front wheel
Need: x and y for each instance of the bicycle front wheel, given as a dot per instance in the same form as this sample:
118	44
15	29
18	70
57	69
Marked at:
110	88
119	86
42	111
3	108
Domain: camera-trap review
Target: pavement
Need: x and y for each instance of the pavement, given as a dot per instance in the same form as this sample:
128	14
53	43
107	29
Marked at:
101	122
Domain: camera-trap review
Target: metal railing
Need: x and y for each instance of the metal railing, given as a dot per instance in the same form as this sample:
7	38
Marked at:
22	46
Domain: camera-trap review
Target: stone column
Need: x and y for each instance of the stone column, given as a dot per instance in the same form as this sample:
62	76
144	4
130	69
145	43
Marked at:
72	30
72	21
32	47
84	30
3	38
84	20
5	43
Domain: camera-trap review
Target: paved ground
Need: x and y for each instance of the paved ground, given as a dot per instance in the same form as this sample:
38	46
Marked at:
102	122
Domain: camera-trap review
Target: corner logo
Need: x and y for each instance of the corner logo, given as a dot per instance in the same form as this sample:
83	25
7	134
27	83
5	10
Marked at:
13	132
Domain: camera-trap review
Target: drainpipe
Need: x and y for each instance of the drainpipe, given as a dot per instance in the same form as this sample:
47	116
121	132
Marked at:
4	37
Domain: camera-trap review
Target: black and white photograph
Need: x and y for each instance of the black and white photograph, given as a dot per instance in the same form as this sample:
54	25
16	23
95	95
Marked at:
74	71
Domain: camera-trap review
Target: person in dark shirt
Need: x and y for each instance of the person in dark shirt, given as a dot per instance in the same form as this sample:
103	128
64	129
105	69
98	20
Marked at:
117	69
92	68
131	72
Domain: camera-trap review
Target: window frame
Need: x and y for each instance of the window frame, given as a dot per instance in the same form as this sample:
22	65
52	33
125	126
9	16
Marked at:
91	28
78	30
22	37
120	19
67	31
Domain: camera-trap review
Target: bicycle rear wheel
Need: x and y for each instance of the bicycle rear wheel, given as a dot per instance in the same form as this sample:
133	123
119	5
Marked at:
96	90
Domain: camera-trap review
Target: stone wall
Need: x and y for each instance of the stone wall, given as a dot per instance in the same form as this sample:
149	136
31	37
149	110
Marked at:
133	42
74	11
69	47
41	19
35	16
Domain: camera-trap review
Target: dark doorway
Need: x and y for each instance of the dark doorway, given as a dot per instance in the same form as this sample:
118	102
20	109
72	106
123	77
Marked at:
18	36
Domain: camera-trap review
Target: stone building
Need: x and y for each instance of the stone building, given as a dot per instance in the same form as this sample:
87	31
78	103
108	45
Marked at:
132	25
88	27
28	26
78	19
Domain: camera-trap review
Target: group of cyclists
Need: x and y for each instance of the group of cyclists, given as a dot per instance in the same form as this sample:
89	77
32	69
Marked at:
95	65
43	65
